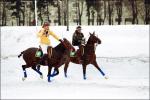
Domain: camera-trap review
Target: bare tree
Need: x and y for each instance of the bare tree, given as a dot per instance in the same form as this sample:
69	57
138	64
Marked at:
40	7
98	7
59	12
147	12
47	11
88	3
134	11
110	11
93	15
4	14
119	11
80	10
64	9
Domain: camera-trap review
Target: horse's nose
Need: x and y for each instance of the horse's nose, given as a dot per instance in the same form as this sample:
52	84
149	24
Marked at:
99	42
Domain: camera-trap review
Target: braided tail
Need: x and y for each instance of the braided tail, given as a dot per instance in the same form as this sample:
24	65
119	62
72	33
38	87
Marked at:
20	54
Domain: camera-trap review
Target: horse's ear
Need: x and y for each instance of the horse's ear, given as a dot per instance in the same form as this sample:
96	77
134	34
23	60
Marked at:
90	33
64	38
94	33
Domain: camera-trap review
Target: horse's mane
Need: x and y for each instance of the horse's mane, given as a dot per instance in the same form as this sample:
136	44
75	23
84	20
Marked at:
59	48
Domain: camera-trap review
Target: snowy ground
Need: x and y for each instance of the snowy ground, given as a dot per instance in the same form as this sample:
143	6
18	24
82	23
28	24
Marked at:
125	62
128	78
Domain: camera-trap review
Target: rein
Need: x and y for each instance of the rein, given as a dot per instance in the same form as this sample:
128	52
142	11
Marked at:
92	45
66	46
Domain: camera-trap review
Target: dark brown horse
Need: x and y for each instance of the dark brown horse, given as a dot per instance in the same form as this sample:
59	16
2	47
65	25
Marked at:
60	54
88	57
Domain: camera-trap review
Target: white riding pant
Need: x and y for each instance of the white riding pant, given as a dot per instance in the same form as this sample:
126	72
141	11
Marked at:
44	48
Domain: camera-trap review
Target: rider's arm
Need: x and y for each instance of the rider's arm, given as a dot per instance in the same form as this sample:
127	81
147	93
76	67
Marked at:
74	36
82	35
40	33
54	35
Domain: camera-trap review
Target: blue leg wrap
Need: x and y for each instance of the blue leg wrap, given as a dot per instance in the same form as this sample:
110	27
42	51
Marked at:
25	74
84	77
102	72
49	78
38	72
38	68
65	74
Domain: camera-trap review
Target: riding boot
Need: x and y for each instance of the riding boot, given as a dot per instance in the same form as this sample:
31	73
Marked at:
49	51
81	47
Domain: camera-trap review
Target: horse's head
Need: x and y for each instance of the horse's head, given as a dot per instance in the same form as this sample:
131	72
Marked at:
68	45
94	39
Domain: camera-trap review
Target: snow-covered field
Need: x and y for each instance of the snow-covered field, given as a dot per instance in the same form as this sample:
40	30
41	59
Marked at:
123	56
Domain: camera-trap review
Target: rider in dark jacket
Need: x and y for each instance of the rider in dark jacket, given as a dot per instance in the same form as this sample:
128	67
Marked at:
78	37
79	40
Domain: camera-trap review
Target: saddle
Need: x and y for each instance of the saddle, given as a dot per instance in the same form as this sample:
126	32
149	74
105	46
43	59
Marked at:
78	53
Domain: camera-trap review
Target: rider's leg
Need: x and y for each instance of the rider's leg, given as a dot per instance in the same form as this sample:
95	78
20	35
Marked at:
80	56
49	51
81	47
44	49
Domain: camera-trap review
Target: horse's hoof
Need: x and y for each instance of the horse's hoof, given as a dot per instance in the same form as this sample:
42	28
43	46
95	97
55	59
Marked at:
84	78
23	79
106	77
49	80
41	76
65	75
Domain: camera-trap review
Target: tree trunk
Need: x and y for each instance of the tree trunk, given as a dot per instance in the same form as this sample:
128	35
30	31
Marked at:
93	16
4	14
104	11
88	13
80	20
119	11
80	11
59	13
134	11
147	11
110	10
65	17
109	13
47	11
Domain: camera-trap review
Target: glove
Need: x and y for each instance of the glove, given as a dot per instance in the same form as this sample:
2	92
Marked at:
61	40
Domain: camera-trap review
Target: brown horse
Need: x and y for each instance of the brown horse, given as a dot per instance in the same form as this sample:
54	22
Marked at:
60	54
88	57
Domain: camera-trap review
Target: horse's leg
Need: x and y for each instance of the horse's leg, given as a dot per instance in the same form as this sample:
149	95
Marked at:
84	71
40	73
96	65
56	72
61	62
24	71
38	67
49	73
65	68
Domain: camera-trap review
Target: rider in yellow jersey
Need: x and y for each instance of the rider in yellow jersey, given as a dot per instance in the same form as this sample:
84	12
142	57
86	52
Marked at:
44	40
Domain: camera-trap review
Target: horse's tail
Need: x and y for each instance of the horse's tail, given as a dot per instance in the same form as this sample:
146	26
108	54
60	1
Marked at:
20	54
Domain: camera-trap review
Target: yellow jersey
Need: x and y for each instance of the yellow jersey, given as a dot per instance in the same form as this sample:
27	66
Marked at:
44	36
